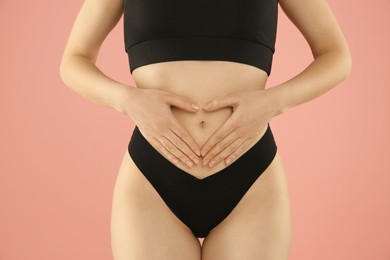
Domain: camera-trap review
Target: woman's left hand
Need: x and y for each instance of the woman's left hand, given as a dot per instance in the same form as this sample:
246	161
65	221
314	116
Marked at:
252	110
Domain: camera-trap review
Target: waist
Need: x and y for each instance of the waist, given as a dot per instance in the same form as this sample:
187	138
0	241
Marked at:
200	81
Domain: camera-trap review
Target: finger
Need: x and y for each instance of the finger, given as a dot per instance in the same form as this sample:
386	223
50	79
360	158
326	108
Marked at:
185	136
228	151
175	151
220	147
237	152
160	147
221	102
182	146
216	137
182	102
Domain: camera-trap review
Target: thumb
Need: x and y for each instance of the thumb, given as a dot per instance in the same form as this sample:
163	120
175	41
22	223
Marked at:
182	102
221	102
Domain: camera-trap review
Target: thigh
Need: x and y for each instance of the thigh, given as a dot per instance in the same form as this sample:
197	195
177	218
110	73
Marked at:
259	227
142	226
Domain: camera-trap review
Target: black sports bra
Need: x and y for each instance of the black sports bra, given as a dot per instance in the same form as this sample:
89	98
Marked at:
231	30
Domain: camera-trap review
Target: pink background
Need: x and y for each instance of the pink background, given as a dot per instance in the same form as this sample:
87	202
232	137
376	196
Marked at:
60	154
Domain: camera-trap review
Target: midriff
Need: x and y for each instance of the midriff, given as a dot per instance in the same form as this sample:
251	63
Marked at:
201	81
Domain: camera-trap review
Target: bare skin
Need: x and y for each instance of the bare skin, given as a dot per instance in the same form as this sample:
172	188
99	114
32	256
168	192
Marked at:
142	225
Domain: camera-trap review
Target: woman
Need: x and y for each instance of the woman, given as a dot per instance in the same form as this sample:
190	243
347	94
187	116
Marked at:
202	138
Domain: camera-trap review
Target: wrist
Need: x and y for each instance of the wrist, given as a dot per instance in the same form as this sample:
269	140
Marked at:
125	95
279	96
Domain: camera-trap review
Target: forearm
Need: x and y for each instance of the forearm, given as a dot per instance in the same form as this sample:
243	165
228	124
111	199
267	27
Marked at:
324	73
82	76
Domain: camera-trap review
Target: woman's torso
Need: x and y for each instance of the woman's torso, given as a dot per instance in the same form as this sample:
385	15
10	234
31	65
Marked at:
201	81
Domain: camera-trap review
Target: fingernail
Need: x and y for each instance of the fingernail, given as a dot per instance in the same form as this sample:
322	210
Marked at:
212	163
190	164
206	106
176	161
198	152
228	161
195	106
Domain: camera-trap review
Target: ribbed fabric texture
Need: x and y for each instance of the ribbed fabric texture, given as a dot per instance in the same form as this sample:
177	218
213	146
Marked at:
229	30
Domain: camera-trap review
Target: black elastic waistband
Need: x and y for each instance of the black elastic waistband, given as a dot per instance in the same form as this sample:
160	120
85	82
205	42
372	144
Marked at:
201	48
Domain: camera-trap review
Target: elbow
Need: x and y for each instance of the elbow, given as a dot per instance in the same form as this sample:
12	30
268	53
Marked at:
63	72
341	60
347	61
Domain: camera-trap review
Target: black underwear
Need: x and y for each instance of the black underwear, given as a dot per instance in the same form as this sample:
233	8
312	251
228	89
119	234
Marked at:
201	204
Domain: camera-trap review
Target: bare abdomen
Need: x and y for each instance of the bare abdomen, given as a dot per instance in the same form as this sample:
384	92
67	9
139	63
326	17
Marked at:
201	81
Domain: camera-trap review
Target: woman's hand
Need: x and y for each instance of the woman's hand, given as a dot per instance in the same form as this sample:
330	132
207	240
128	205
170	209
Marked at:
150	109
252	110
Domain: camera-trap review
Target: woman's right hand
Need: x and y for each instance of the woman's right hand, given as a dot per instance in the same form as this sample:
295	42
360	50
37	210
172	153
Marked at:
150	109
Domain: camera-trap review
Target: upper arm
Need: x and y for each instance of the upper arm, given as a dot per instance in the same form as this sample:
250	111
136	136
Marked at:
93	23
317	23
